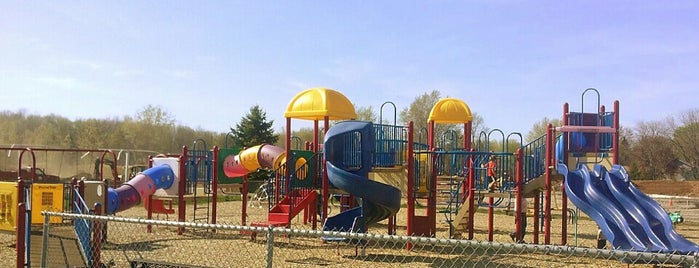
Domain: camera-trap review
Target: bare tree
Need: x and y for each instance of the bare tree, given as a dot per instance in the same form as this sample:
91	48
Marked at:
366	113
663	128
652	158
419	111
650	154
539	128
686	141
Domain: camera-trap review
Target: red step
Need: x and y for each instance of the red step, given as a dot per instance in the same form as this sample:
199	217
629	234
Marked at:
281	208
278	217
283	212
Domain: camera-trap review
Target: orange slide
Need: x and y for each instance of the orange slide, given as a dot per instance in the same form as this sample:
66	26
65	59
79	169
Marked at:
260	156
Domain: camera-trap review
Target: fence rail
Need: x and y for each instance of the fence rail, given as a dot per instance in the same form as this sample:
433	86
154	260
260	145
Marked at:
220	245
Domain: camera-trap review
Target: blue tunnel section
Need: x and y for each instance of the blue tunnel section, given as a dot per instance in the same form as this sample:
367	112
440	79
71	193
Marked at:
139	187
349	149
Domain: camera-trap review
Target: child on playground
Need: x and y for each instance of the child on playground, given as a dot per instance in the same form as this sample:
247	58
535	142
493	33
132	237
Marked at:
490	172
523	227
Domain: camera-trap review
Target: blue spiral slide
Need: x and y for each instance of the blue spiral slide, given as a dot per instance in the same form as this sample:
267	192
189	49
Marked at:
629	219
349	149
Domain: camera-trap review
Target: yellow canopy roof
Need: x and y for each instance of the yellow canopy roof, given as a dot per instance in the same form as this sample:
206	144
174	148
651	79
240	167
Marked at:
317	103
450	111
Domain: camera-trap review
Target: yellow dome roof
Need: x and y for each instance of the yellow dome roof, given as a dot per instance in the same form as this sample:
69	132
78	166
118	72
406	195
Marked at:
450	111
317	103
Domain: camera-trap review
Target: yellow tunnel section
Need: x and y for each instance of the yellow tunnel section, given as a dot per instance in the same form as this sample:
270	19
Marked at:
260	156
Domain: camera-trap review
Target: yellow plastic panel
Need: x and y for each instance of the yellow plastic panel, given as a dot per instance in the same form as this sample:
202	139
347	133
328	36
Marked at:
301	168
49	197
8	205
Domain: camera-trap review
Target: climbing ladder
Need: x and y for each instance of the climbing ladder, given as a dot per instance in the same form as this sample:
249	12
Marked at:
199	167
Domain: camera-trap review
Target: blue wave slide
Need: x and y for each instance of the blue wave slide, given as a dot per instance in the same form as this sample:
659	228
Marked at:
629	219
349	149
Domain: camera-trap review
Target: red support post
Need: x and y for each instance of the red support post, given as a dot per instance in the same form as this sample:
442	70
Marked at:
149	213
615	139
324	180
547	191
564	215
105	206
181	205
214	185
244	194
537	210
432	183
565	135
471	194
490	218
564	204
411	184
564	197
326	186
81	189
519	182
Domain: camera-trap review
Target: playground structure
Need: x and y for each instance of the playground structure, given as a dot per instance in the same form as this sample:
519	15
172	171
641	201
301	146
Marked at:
368	167
49	193
602	189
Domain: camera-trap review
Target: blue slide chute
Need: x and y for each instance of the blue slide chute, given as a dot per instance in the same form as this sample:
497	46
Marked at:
349	149
629	219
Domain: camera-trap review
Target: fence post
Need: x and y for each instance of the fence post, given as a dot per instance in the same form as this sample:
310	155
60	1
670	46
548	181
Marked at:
270	246
45	240
96	238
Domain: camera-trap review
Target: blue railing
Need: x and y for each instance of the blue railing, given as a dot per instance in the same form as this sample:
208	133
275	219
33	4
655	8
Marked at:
391	145
534	156
83	227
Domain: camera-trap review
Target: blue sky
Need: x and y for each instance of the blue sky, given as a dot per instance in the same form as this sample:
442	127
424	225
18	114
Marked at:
208	62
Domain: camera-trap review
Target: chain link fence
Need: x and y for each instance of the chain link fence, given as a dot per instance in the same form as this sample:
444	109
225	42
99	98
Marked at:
129	242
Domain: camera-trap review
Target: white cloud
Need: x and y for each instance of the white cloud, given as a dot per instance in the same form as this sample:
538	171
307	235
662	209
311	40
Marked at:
348	69
181	74
62	82
128	72
84	64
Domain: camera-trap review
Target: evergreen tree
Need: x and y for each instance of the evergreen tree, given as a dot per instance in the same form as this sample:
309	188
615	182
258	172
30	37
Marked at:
254	129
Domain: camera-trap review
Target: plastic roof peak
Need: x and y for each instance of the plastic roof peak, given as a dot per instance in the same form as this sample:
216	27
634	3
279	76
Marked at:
450	111
317	103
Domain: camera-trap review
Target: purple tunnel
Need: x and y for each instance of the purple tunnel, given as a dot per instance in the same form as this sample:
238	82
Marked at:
139	187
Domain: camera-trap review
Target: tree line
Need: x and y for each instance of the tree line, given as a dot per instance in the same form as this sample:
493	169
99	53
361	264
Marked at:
150	129
661	149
